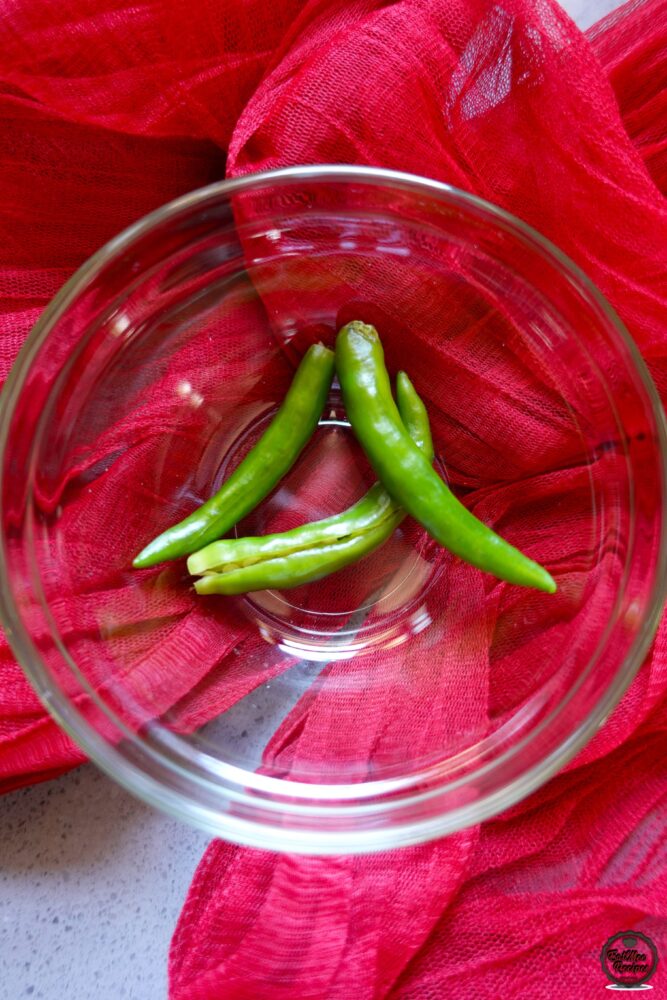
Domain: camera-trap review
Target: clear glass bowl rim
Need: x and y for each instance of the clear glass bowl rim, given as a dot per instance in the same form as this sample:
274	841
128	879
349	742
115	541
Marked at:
297	799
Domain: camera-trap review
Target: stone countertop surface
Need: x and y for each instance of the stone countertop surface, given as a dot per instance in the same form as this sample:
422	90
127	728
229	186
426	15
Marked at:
91	880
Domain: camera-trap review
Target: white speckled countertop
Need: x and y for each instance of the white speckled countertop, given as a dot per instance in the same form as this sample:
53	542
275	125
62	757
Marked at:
91	885
91	880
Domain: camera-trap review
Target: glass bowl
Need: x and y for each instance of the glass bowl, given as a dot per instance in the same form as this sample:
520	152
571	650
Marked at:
409	695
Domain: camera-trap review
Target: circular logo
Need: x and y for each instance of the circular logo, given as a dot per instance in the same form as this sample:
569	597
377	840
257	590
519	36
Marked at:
629	959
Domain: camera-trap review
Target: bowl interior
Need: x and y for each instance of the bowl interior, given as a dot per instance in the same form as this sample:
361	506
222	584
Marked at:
154	375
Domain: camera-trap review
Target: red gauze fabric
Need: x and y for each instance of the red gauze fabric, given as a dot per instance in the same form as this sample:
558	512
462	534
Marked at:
109	111
103	118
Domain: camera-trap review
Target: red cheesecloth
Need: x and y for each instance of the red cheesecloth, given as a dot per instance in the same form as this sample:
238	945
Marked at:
110	111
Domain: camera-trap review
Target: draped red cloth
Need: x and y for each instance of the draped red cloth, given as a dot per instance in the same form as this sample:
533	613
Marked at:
108	111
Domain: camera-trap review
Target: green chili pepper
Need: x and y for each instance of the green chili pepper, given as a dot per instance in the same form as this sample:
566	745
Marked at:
407	475
264	465
298	567
311	551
